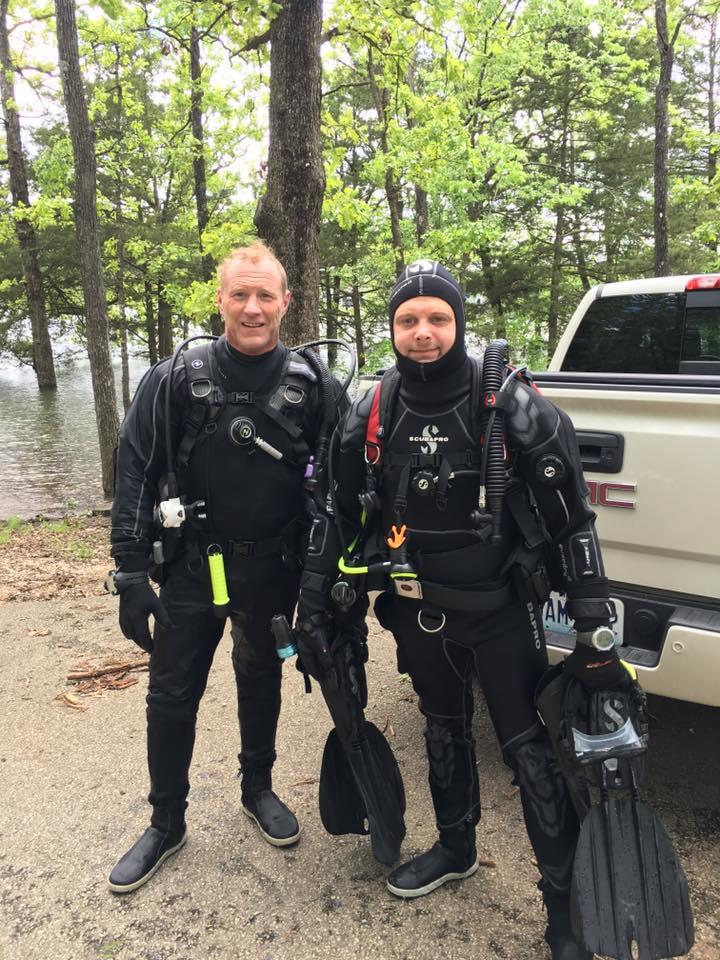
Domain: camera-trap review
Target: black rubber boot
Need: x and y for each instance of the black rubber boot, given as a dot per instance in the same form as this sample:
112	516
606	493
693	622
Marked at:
453	857
276	822
558	933
145	857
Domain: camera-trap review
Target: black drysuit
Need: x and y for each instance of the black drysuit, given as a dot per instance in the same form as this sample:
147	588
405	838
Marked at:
441	644
256	512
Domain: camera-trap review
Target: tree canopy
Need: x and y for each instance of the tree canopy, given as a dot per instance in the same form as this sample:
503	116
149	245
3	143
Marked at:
515	140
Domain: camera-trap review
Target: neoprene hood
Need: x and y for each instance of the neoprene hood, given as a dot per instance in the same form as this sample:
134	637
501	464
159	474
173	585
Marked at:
428	278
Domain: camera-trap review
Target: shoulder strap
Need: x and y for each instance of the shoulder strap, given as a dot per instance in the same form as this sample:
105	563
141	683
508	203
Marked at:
476	399
381	413
288	399
205	397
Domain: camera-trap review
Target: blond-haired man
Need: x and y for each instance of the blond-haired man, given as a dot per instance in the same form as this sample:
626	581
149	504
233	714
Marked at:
244	415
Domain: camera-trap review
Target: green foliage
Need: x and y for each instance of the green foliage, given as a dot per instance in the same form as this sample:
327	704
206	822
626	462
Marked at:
12	525
515	139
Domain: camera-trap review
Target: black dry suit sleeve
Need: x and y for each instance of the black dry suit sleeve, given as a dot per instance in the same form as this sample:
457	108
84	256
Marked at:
336	523
141	462
548	459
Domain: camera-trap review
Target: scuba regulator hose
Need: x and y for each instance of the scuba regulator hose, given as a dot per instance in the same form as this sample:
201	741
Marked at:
330	402
171	477
492	468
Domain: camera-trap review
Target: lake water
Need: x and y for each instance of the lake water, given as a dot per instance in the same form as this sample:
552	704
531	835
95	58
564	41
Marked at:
49	453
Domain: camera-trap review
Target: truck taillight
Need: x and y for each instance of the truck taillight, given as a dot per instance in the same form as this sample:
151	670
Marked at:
709	281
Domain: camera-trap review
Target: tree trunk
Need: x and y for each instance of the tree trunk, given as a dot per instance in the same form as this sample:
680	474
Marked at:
493	294
422	215
331	305
120	295
150	324
164	322
662	97
580	252
199	172
86	226
288	215
555	278
357	323
43	363
576	228
392	186
556	272
712	166
120	239
712	152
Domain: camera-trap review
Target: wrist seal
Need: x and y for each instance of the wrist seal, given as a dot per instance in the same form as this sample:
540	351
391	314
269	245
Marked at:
118	581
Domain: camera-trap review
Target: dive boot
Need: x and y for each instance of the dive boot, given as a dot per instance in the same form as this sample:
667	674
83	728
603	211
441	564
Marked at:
144	858
431	870
559	935
276	822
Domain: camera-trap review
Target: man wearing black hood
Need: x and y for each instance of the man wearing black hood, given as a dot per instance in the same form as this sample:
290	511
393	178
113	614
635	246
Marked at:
461	595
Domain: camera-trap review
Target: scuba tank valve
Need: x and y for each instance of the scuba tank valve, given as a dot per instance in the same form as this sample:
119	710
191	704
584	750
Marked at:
216	565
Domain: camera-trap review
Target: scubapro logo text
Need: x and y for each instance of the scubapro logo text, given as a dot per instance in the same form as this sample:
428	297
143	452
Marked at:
429	438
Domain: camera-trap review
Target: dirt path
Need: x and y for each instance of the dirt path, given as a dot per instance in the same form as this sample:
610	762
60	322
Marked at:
73	782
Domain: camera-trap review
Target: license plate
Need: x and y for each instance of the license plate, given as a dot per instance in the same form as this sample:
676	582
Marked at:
556	620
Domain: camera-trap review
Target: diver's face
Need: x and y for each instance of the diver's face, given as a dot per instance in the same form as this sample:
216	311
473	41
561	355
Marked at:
424	329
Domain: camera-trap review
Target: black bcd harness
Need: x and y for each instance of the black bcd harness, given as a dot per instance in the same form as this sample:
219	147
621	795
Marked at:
207	399
526	570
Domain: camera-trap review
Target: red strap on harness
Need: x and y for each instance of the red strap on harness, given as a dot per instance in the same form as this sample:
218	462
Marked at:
373	449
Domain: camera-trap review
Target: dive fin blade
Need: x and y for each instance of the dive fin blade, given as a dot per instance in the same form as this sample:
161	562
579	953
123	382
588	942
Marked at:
381	787
361	791
629	896
342	809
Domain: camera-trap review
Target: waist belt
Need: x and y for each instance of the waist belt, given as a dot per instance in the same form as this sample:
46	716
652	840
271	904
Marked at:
254	548
463	458
452	599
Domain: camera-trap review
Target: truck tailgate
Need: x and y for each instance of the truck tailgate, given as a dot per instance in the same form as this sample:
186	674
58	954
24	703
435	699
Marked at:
659	517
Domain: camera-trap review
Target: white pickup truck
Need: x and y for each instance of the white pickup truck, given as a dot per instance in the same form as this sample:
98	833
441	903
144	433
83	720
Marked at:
638	370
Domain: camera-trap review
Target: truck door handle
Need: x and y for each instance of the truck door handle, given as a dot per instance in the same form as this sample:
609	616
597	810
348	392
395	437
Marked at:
601	452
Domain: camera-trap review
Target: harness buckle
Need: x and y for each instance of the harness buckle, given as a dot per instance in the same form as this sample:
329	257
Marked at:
408	588
241	548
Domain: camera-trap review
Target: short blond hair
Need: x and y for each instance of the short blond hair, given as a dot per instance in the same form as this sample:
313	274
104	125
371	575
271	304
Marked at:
254	253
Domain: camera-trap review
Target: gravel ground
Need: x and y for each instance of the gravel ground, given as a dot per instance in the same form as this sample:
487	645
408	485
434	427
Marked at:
72	800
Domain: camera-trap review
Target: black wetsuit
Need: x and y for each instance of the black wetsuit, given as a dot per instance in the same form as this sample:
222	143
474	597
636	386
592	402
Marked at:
442	644
256	512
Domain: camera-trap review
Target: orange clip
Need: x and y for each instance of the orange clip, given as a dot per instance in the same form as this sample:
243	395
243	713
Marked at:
398	537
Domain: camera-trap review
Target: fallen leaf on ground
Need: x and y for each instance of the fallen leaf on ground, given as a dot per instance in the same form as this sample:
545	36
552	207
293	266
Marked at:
70	700
33	632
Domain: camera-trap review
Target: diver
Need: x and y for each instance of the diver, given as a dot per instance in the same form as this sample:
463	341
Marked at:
455	488
219	449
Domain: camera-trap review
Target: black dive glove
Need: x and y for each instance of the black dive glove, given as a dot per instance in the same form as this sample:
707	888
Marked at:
597	669
312	637
137	601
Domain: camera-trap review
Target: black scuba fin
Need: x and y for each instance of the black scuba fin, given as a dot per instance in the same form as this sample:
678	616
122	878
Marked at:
361	791
342	809
629	896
